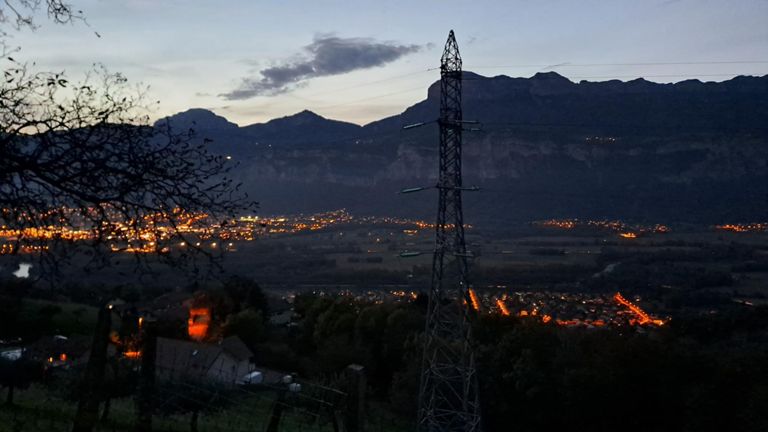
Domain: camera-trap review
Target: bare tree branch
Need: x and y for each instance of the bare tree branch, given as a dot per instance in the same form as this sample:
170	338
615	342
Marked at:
80	167
20	14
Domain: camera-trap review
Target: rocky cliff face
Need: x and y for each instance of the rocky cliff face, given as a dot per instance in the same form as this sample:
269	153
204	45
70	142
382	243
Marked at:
547	147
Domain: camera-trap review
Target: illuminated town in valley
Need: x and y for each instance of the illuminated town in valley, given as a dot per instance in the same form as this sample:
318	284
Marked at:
563	309
180	230
160	233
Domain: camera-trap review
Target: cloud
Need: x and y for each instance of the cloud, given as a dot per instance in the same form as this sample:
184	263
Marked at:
326	55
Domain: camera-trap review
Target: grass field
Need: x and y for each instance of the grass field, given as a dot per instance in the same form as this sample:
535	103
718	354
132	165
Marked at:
37	409
66	318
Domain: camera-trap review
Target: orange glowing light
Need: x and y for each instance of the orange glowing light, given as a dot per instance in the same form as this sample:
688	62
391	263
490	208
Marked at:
567	323
523	313
132	354
731	227
546	318
474	299
198	322
63	357
502	307
642	317
628	235
747	227
561	224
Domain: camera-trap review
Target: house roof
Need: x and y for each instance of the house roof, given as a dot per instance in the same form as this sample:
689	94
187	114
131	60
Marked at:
184	357
235	347
194	358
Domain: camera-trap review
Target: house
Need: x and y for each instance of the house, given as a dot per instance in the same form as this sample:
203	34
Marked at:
58	351
224	362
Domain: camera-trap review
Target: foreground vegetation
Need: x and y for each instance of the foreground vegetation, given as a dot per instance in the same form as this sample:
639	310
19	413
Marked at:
704	370
699	372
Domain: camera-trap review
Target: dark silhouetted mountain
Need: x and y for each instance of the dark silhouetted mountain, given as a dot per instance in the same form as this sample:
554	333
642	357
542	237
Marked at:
302	129
548	147
551	99
198	119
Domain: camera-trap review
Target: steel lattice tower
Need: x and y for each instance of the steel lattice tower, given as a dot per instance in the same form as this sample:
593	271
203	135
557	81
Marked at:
448	396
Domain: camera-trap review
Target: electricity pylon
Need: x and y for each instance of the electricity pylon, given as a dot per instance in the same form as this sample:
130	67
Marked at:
448	397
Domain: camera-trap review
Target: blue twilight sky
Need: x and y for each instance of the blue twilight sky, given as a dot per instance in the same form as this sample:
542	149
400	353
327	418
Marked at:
360	60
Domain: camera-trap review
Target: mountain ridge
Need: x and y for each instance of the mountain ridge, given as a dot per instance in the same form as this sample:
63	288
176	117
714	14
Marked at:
548	147
541	81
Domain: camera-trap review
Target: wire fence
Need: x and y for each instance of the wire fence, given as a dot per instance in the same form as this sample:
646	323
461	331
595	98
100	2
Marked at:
179	405
186	388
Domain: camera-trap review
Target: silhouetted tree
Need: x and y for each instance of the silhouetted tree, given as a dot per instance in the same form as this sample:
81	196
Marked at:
19	14
248	325
11	294
84	155
246	293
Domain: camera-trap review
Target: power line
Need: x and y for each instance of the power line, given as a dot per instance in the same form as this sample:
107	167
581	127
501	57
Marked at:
548	66
365	84
372	97
690	76
356	101
449	393
657	76
567	64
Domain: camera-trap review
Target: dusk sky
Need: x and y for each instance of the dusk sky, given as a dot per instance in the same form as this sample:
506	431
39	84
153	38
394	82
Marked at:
359	61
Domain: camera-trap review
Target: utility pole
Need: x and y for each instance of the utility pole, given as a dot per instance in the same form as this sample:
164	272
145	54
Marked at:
146	393
93	380
448	397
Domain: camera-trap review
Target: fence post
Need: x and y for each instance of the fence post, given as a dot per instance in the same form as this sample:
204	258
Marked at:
146	391
88	406
355	408
276	412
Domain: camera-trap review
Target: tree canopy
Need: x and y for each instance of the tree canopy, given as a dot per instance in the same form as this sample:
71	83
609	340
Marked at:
80	163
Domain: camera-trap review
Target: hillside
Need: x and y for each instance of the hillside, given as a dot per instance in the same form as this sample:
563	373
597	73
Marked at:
548	147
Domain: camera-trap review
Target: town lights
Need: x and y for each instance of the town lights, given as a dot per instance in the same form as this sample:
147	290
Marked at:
474	300
502	307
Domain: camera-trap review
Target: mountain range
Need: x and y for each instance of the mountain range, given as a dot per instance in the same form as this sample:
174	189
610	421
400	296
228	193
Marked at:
547	147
